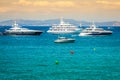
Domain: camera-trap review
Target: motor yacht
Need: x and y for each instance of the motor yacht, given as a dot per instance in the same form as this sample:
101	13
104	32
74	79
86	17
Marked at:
17	30
93	30
63	28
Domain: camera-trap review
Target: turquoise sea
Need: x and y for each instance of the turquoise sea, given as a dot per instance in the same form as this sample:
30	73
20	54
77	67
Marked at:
39	58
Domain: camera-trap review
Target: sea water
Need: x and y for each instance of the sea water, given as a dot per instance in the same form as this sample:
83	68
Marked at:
39	58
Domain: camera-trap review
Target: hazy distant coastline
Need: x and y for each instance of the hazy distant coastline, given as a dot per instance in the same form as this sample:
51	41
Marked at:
56	21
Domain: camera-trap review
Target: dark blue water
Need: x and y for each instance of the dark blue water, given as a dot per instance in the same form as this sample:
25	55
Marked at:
39	58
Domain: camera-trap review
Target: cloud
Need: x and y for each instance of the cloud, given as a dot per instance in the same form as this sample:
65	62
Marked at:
55	8
45	6
45	3
4	9
109	4
31	3
60	6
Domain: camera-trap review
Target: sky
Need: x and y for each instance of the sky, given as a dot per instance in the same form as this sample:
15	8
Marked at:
82	10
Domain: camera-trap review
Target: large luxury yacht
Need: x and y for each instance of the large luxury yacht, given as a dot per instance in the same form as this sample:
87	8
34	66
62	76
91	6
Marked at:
17	30
63	28
93	30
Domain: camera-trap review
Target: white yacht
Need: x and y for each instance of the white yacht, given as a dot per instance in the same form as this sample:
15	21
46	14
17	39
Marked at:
17	30
64	40
93	30
63	28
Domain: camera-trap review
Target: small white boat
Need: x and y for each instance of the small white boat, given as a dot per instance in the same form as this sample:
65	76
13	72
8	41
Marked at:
93	30
63	28
64	40
17	30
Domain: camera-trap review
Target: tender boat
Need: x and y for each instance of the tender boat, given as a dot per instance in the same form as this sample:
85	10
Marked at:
93	30
63	28
64	40
17	30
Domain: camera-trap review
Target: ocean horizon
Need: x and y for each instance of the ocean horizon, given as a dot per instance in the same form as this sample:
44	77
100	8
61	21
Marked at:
39	58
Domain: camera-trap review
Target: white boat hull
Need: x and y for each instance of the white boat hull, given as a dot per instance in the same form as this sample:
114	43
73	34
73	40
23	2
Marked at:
64	41
63	32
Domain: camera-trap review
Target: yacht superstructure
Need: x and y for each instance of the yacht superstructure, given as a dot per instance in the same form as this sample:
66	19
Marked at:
63	28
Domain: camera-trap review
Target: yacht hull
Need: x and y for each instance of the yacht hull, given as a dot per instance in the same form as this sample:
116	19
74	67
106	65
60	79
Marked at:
63	32
22	33
94	33
65	41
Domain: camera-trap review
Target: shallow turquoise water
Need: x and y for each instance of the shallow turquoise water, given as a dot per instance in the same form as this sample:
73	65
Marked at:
34	58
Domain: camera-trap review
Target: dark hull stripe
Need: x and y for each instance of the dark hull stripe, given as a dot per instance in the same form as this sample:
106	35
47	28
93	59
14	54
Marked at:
100	34
23	33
